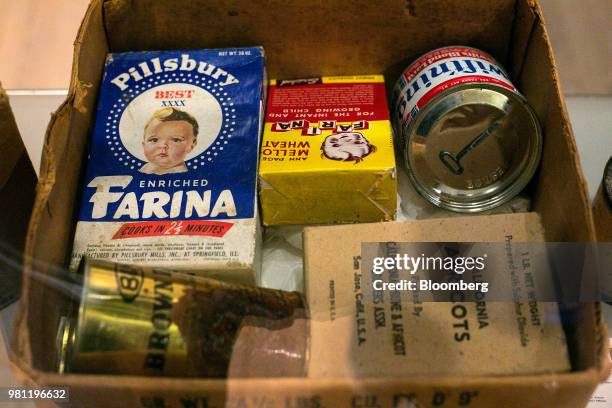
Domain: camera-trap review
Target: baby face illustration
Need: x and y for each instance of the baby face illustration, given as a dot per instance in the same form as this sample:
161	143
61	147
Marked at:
167	143
168	139
348	146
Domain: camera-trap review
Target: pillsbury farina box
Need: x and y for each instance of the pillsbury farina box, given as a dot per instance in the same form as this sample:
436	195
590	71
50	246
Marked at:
171	177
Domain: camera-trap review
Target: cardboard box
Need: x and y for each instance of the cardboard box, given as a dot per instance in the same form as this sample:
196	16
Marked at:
17	192
371	39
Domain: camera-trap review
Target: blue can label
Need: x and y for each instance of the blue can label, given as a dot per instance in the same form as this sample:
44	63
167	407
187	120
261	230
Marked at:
171	176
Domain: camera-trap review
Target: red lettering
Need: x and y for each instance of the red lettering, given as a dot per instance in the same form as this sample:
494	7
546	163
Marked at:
177	94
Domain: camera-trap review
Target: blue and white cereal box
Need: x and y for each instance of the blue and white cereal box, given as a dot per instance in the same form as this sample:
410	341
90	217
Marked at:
172	170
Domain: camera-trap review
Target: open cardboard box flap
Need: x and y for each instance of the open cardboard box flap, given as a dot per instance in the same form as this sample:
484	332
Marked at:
11	145
17	191
302	39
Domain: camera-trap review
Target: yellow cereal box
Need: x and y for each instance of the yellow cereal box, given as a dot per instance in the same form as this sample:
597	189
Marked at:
327	152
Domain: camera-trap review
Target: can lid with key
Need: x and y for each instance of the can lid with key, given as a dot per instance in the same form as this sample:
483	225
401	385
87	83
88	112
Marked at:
473	148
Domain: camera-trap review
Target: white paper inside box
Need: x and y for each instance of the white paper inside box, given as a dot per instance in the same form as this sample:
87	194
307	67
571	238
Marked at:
350	38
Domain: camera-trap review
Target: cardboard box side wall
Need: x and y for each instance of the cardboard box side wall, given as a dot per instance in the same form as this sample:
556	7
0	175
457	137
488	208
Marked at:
560	390
533	69
415	28
560	170
11	145
397	32
17	191
568	221
559	176
52	223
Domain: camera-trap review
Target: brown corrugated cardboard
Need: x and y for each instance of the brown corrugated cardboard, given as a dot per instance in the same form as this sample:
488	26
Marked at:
383	336
365	38
17	190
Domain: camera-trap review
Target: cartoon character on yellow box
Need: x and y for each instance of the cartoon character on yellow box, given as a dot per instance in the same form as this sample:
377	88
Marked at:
169	136
347	146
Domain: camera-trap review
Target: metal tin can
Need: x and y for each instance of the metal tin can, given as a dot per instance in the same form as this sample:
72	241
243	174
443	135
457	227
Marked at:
143	321
469	140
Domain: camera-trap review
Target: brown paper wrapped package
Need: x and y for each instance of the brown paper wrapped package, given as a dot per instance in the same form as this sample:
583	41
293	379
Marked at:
427	332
